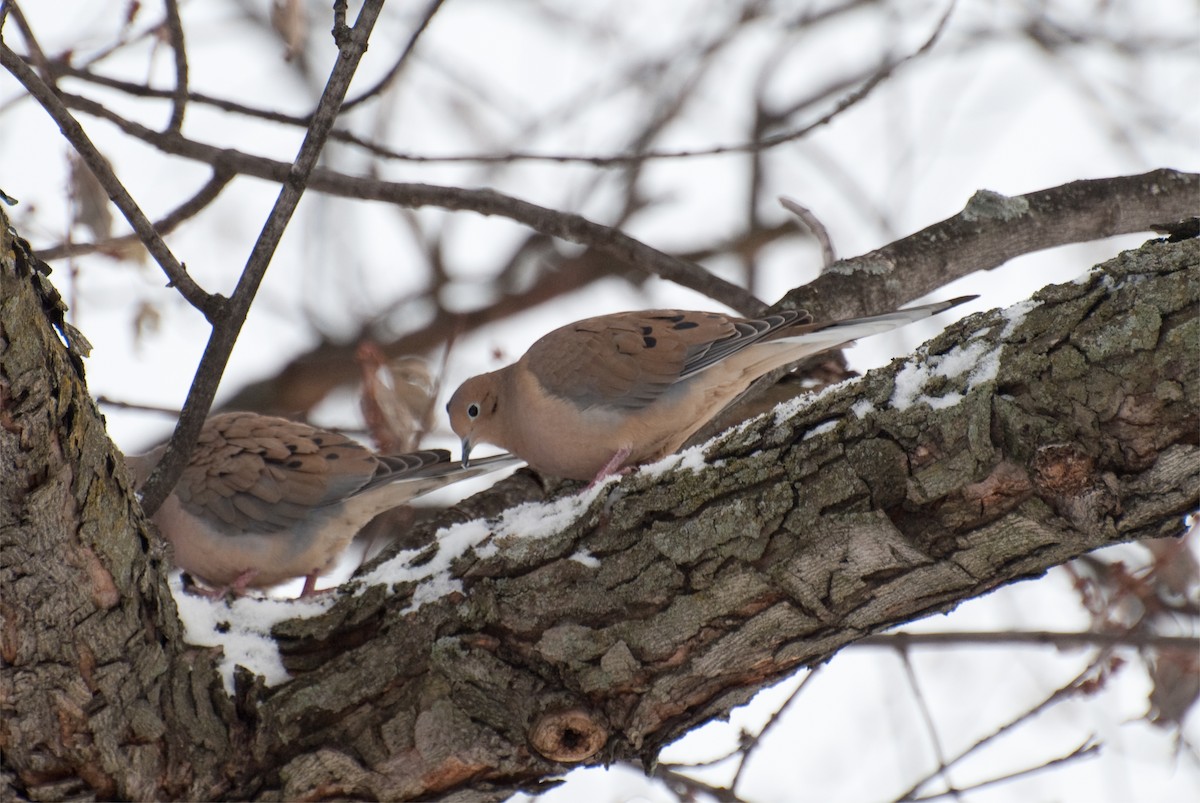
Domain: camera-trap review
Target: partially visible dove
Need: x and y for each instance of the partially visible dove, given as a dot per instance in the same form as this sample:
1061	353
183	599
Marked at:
617	390
264	500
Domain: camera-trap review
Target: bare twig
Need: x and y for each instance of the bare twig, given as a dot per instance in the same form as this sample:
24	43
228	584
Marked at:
1081	683
930	727
615	160
752	743
686	788
1088	749
563	225
117	404
756	145
815	226
977	239
36	54
1062	640
352	43
168	223
387	79
180	93
59	69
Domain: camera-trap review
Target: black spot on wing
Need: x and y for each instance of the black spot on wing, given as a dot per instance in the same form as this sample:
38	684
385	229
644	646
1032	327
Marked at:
685	325
650	341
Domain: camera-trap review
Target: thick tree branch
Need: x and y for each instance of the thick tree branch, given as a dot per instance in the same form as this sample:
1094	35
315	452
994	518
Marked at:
1072	427
993	229
713	584
88	635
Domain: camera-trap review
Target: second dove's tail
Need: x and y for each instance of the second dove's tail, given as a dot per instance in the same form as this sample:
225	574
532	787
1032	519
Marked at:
837	333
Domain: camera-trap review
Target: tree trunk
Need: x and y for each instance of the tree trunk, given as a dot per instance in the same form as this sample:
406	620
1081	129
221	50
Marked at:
1012	443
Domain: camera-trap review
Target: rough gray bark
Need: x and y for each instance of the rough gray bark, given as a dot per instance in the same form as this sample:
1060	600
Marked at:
710	585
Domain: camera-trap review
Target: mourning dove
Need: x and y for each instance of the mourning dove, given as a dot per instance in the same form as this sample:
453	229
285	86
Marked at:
617	390
264	499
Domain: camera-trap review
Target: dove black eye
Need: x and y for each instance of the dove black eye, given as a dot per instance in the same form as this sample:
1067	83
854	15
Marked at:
473	411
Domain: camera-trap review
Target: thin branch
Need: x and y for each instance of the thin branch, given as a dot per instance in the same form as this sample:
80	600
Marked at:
59	69
1083	211
1081	683
686	788
126	36
117	404
749	742
36	54
165	225
1061	640
387	79
180	93
752	743
754	146
563	225
614	160
930	727
1088	749
352	43
210	304
991	230
815	227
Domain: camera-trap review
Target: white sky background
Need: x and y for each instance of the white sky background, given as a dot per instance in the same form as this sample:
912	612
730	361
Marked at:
990	112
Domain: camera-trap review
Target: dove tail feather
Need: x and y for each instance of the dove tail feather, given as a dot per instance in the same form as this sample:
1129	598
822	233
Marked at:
845	331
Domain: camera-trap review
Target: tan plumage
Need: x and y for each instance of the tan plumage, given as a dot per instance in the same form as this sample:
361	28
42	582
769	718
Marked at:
264	499
617	390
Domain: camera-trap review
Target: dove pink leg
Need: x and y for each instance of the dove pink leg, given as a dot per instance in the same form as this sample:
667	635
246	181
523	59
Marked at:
613	466
310	585
239	584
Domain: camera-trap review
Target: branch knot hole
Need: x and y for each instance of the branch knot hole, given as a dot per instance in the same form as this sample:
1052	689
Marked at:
568	736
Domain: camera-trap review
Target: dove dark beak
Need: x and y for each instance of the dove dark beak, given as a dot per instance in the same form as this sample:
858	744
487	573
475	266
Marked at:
466	452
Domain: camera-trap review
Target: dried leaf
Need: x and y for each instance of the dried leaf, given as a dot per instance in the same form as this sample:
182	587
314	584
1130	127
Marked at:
289	18
146	320
397	398
1176	677
89	201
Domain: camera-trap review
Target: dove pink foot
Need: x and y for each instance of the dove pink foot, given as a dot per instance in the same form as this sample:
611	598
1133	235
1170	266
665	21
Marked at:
613	466
243	581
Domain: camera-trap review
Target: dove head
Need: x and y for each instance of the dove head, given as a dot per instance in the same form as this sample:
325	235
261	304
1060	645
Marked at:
472	411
